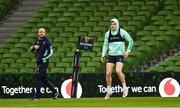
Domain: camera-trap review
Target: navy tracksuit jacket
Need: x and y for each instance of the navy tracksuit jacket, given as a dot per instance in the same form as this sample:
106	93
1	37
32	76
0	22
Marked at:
42	60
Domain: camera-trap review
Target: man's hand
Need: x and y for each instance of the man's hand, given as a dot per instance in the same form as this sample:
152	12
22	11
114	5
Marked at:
125	54
102	60
36	47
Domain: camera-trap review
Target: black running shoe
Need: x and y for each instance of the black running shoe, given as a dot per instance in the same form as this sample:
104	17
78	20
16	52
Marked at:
56	95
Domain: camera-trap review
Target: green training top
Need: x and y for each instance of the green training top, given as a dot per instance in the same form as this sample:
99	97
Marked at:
116	48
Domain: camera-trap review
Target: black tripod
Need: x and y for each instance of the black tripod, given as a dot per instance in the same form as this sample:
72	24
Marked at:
76	67
84	43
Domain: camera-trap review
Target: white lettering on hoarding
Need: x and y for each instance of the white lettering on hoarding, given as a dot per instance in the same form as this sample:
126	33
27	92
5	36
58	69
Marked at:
24	90
149	89
17	90
116	89
134	89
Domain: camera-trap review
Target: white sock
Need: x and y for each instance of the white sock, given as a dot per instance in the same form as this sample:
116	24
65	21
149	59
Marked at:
124	85
109	88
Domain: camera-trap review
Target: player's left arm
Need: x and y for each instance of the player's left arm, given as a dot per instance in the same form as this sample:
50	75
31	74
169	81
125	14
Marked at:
128	38
48	52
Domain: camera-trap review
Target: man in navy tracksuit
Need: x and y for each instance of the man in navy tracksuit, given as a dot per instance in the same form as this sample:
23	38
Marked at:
43	49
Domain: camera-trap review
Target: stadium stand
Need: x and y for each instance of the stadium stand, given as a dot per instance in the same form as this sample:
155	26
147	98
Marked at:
5	6
16	15
153	24
171	64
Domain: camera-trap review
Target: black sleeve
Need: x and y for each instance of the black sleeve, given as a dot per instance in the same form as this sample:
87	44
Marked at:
32	47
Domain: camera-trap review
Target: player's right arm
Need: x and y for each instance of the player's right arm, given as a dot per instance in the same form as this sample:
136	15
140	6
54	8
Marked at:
34	47
105	47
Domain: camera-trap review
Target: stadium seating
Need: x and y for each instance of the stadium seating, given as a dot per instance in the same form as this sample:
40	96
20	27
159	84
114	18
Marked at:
169	21
5	6
153	25
171	64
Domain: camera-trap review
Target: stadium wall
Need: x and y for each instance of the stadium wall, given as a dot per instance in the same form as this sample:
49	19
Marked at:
93	84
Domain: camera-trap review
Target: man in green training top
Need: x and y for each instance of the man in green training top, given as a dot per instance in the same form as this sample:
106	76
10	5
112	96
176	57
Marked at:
114	43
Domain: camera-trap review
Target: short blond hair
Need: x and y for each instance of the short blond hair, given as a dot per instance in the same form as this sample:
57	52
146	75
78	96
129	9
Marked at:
42	29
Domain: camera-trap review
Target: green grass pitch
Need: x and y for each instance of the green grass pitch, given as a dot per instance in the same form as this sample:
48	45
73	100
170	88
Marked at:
129	102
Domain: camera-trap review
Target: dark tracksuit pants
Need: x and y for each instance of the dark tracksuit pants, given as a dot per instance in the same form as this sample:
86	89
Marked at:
41	78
